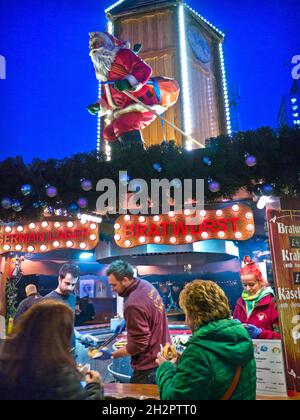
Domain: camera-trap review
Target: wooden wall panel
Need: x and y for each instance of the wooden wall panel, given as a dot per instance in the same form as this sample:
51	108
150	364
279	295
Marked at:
153	30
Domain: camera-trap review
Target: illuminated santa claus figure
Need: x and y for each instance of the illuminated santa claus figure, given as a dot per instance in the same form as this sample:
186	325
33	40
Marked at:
115	62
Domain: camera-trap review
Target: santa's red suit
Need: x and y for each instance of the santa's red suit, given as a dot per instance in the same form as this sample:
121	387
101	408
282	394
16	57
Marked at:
122	113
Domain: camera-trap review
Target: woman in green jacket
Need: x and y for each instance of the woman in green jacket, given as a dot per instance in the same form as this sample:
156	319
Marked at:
218	362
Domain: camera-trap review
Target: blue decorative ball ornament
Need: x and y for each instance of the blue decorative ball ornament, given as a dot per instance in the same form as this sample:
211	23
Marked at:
250	161
51	191
176	183
207	161
267	189
157	167
86	184
214	186
36	205
82	203
125	179
26	189
136	185
16	205
48	211
73	208
6	203
258	190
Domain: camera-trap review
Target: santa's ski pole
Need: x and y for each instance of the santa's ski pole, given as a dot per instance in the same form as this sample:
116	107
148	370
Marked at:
133	98
188	136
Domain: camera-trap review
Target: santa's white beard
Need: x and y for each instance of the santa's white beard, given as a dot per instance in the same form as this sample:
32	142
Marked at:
103	59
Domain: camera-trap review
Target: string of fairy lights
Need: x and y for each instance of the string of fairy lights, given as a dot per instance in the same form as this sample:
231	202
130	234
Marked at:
242	212
45	236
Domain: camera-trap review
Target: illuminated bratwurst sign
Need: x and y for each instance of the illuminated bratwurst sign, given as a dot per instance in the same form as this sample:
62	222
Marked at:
46	236
231	223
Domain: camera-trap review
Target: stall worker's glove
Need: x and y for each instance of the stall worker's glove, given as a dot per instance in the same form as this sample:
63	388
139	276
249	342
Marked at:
122	84
88	340
93	108
120	327
253	331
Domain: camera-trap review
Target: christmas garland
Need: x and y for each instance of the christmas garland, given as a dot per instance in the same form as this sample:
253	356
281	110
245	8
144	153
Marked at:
262	162
11	292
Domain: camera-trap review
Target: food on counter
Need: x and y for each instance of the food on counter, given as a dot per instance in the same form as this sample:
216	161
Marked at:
94	353
120	344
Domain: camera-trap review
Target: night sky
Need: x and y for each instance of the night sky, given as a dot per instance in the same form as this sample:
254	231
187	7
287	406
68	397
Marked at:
50	78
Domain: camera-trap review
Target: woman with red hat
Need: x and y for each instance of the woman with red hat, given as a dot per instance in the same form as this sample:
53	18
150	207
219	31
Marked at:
256	308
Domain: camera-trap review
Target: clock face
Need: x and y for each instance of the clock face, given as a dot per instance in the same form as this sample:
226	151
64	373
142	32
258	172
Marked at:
199	44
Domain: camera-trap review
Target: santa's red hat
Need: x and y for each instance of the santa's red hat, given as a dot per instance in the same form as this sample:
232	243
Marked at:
250	267
109	39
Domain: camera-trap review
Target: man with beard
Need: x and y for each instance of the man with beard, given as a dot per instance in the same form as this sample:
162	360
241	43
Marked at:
115	62
67	281
146	321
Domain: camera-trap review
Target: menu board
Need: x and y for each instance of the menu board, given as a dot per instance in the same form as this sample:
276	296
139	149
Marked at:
284	230
270	371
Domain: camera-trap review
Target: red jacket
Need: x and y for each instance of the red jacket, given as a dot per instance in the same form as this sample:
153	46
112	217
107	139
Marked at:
264	316
146	323
128	65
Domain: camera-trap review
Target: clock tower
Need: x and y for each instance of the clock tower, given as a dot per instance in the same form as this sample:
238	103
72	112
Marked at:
178	42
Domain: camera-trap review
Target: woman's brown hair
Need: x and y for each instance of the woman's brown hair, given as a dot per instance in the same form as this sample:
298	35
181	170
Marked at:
40	342
204	301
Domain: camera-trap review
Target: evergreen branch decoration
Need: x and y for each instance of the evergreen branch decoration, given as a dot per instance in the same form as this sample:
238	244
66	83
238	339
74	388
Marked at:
11	291
277	155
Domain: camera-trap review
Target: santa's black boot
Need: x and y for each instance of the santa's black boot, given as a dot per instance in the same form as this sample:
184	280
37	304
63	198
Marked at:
131	139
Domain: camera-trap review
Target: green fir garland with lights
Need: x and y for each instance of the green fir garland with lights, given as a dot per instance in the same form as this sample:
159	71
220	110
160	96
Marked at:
11	292
274	156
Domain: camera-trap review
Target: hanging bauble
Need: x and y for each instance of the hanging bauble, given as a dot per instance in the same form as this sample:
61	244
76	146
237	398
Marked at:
136	185
6	203
157	167
214	186
250	160
26	189
36	204
48	211
207	161
82	203
125	178
267	189
73	208
176	183
86	184
16	205
258	190
51	191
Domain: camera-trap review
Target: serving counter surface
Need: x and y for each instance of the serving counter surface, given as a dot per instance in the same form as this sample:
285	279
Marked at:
150	392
